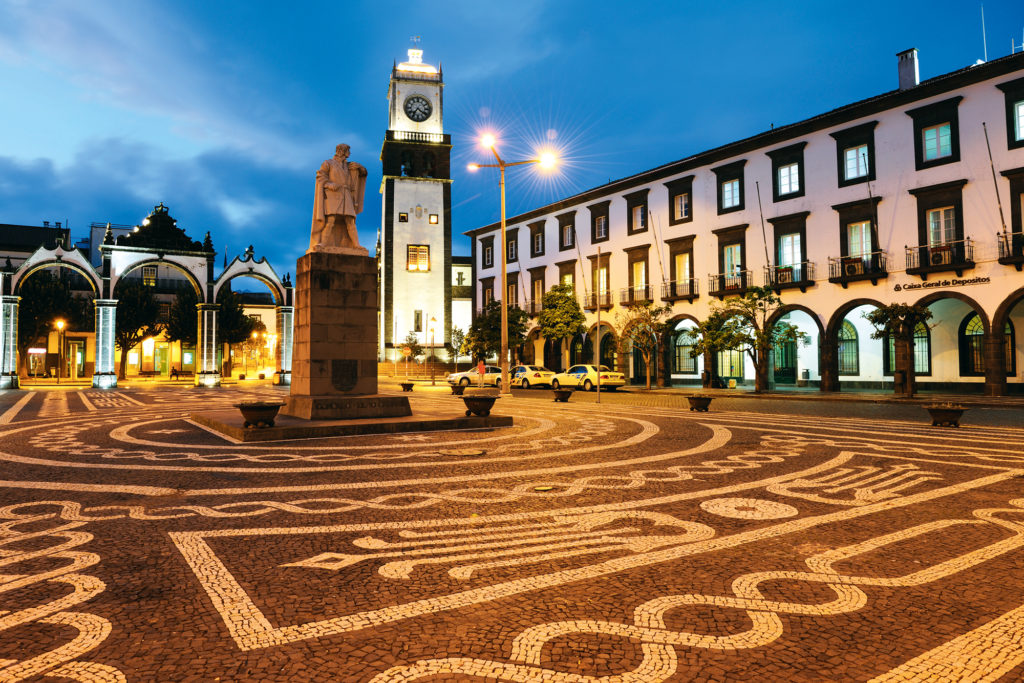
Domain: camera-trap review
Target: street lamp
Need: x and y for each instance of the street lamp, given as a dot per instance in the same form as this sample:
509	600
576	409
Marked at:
433	352
60	347
547	161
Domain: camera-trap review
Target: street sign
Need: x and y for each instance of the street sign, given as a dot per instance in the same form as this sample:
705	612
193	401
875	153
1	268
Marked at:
406	351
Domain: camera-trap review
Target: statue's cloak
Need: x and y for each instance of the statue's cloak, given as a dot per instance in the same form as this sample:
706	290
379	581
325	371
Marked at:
347	200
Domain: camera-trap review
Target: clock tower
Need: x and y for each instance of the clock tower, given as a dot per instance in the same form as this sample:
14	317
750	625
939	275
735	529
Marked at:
415	246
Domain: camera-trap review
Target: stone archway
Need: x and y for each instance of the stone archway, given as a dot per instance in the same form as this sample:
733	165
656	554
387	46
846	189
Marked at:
809	361
668	345
949	309
828	352
995	340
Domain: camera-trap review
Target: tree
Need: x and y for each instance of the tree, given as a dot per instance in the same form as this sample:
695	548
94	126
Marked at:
642	327
742	323
560	316
899	321
413	342
183	320
138	316
233	325
484	336
44	299
454	347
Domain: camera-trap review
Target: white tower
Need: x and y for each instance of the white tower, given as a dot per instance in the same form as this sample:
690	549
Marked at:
415	250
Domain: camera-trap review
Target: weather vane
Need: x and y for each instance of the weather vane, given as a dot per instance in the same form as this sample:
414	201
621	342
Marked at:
415	40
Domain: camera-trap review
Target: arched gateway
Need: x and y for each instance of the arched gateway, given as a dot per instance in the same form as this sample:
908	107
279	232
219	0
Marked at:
157	242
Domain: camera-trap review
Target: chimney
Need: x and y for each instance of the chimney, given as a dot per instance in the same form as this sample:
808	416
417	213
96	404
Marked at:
908	68
46	224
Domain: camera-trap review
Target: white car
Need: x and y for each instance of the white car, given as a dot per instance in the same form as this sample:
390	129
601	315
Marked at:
492	377
527	376
585	377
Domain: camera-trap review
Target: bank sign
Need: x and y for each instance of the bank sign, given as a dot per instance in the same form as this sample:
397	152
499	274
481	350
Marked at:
936	284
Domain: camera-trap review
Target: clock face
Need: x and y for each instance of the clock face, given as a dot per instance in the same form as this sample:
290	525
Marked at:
418	108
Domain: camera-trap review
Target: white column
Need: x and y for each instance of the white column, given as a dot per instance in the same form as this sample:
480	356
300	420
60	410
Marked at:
9	342
104	376
207	373
285	322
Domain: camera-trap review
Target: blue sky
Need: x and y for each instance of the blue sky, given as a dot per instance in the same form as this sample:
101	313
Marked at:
224	110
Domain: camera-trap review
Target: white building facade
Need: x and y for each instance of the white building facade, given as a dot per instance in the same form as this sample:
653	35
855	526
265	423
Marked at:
896	198
415	247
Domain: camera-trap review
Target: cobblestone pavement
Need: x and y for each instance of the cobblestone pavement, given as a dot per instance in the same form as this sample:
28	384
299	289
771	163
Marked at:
617	542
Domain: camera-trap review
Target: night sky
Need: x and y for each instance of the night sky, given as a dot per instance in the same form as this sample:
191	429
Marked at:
224	110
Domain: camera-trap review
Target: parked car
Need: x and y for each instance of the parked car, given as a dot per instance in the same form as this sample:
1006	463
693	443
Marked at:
492	377
527	376
585	377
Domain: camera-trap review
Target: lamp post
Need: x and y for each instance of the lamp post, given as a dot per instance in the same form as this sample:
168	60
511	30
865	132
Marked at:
433	352
545	160
60	348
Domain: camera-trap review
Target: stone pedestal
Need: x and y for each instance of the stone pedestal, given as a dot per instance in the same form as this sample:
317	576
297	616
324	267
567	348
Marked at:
334	355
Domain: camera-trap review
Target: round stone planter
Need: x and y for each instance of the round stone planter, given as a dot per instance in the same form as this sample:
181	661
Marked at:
259	414
406	386
562	395
477	404
458	389
699	403
945	416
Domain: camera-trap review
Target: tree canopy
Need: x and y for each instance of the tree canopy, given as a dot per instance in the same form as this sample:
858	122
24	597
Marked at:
899	322
642	328
233	325
46	298
183	320
138	315
484	336
560	316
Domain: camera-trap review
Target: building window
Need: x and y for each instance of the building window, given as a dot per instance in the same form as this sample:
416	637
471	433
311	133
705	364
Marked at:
599	221
510	293
680	193
848	351
566	230
937	142
1013	92
513	249
460	279
856	162
487	290
433	219
567	273
730	364
936	133
941	226
683	363
417	321
537	239
922	352
403	217
636	212
972	347
732	258
730	194
568	279
538	290
730	186
149	276
858	238
855	154
488	251
418	258
790	253
788	172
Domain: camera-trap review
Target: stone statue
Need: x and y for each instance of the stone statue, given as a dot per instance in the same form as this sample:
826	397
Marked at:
340	185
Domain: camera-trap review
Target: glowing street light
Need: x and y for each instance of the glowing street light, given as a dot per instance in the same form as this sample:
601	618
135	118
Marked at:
545	160
60	346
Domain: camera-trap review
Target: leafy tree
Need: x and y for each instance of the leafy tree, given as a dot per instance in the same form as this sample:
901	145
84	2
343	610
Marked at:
560	316
484	336
413	342
643	328
454	347
183	320
44	299
138	316
233	325
742	323
899	321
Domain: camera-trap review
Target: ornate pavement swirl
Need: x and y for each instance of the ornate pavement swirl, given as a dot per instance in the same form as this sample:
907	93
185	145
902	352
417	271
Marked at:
63	660
659	642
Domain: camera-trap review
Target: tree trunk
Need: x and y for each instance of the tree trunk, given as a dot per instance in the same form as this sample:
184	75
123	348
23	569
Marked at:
647	367
123	370
23	363
761	360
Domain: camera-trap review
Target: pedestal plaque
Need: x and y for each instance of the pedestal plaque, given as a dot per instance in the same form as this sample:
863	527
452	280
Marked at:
334	356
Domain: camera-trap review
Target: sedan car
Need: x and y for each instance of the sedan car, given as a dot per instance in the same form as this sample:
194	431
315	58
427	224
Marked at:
492	377
585	377
527	376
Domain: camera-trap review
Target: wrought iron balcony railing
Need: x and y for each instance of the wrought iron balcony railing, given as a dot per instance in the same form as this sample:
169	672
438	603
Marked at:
729	284
592	300
783	277
957	255
1011	248
636	295
846	269
679	289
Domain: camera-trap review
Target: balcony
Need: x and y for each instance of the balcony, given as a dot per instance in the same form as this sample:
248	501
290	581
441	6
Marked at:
636	295
847	269
592	301
679	289
797	276
532	308
1011	249
957	256
415	136
729	284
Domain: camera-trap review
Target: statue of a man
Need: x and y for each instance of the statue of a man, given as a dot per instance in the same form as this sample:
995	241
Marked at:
340	185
